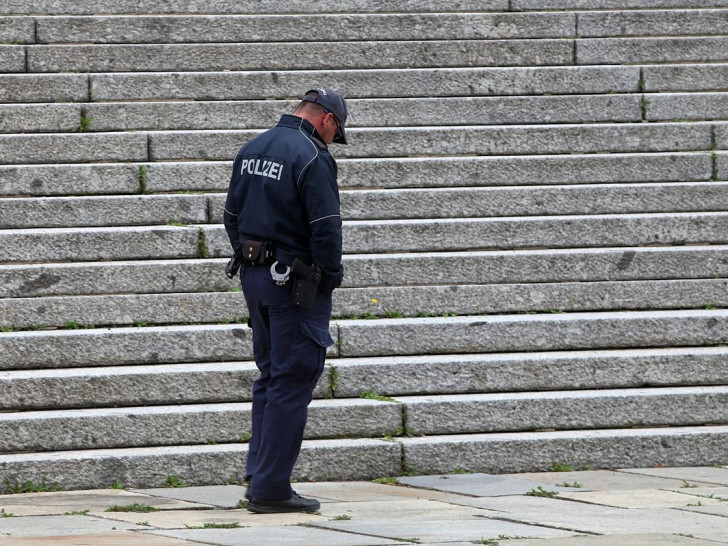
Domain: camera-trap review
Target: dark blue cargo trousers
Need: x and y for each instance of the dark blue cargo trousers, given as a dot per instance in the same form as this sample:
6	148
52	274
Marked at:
289	346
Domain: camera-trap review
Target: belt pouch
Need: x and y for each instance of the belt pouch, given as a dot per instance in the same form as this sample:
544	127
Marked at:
305	284
256	252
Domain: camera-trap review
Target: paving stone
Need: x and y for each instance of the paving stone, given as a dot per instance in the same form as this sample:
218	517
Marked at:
50	180
61	525
349	492
50	504
720	509
498	333
589	518
477	485
407	82
488	140
652	23
221	496
703	474
43	87
114	538
17	30
686	77
320	27
84	7
182	519
296	56
39	118
533	451
643	498
686	106
651	539
73	148
12	58
606	480
299	536
530	371
410	511
709	490
437	530
651	50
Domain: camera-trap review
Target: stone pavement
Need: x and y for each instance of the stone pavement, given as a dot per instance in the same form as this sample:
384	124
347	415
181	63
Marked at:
626	507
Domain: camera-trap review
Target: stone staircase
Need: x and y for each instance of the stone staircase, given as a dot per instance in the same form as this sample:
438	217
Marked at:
536	222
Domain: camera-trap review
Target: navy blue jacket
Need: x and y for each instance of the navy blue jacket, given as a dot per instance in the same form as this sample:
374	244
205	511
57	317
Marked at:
283	189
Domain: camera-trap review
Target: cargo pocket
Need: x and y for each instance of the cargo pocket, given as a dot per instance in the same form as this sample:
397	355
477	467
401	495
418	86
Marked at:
322	338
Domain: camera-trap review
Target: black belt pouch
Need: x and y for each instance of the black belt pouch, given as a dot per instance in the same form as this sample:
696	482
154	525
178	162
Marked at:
257	252
305	284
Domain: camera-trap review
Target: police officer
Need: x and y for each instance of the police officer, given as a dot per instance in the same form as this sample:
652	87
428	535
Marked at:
282	209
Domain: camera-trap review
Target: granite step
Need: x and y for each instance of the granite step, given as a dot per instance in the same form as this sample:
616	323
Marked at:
354	338
686	106
18	88
148	426
410	301
565	410
379	271
12	58
686	77
20	30
371	83
39	118
319	27
320	460
296	55
674	22
73	148
89	179
518	5
693	49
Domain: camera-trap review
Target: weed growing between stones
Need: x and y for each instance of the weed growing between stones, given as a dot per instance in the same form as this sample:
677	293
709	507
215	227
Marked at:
116	485
333	381
209	525
390	480
143	178
173	481
136	507
72	325
29	487
211	442
561	467
686	484
242	504
4	514
342	517
84	124
541	492
202	250
145	523
245	437
371	394
575	485
76	513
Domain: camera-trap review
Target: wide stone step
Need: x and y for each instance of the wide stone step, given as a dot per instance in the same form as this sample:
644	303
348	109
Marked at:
49	180
369	112
39	118
17	30
353	338
395	83
478	140
12	58
468	299
73	148
183	424
651	50
686	77
518	5
319	27
255	7
536	451
377	271
673	22
687	106
44	87
320	460
563	410
295	56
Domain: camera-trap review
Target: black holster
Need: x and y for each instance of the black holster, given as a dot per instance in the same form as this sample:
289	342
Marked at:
305	283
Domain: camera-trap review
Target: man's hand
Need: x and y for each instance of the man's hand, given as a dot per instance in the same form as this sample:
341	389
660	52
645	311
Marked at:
232	267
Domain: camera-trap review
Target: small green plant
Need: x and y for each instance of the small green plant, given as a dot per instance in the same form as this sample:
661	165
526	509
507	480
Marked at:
173	481
709	307
587	467
333	381
76	513
699	503
391	480
459	471
84	124
541	492
35	327
404	431
644	104
449	314
116	485
236	288
393	314
143	178
175	223
136	507
560	467
342	517
30	487
4	514
687	485
211	442
574	484
371	394
242	503
141	324
145	523
210	525
410	470
245	437
202	250
6	329
72	325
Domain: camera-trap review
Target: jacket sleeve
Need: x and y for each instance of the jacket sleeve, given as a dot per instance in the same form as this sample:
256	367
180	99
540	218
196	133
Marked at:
320	195
230	216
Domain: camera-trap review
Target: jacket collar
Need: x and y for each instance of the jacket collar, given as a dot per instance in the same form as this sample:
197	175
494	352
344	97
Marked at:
306	127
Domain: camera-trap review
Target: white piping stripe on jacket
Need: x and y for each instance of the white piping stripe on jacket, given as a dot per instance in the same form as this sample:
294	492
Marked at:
230	213
323	218
298	180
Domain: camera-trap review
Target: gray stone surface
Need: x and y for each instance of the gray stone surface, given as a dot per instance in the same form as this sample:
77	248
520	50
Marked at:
607	480
555	332
198	465
297	56
285	536
39	118
319	28
721	136
722	165
84	244
43	87
131	385
488	140
530	371
60	525
644	498
642	539
68	179
12	58
84	7
17	30
222	496
499	298
405	82
652	23
687	106
614	4
477	485
686	77
369	113
651	50
473	413
182	425
717	476
536	451
129	210
65	148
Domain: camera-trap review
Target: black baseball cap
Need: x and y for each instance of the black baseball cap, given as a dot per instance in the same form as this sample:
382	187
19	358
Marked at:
332	101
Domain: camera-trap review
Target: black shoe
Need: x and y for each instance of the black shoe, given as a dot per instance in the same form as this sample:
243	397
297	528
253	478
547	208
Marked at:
296	503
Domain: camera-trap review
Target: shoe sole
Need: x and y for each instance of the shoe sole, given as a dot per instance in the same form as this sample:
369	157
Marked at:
278	510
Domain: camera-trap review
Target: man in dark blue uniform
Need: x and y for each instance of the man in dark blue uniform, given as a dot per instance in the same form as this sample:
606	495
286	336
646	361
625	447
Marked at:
282	216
